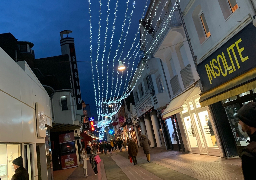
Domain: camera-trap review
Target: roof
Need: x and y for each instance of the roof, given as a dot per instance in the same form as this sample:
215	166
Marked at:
54	71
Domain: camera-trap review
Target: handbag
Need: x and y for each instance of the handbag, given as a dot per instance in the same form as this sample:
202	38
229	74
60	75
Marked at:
131	159
97	159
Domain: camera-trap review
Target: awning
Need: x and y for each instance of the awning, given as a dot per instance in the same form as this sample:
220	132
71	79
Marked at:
58	127
175	105
236	86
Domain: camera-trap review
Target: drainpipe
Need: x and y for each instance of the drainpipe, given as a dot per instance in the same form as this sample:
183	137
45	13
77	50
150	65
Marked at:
165	79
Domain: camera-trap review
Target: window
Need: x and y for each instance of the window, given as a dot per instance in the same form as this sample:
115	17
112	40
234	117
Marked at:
228	7
64	103
233	5
141	90
160	85
200	24
205	26
173	67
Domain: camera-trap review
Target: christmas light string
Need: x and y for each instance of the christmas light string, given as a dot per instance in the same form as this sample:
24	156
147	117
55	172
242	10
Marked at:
111	44
119	46
120	85
104	50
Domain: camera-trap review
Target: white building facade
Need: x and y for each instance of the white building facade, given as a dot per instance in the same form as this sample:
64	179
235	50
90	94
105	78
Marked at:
25	116
222	36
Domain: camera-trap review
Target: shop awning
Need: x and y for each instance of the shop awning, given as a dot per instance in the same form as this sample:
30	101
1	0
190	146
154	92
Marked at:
175	105
58	127
236	86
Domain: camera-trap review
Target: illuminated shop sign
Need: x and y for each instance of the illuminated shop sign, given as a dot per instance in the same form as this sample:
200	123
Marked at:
234	58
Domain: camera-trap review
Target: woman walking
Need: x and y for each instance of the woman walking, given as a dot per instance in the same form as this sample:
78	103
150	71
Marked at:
145	143
133	150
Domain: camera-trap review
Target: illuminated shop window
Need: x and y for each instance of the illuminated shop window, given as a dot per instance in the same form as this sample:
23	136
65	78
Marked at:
190	132
191	105
198	105
185	108
244	94
205	26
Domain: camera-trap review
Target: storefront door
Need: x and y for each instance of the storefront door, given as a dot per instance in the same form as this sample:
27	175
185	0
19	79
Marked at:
199	129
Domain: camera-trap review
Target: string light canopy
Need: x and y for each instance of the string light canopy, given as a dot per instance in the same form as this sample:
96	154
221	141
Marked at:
122	46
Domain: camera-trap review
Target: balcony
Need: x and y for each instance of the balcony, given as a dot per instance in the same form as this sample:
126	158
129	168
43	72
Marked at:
161	99
187	76
144	104
175	84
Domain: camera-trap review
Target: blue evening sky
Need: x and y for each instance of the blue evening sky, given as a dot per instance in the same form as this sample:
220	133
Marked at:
41	21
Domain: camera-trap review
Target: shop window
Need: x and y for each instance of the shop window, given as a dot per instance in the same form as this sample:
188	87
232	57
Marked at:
207	129
8	152
64	103
198	105
228	7
191	106
190	132
204	25
185	108
240	138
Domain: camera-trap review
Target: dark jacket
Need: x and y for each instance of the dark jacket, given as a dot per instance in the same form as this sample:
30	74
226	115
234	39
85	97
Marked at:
20	174
145	143
88	149
132	148
249	159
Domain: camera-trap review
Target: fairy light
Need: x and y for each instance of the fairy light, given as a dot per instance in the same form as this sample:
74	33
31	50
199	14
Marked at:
138	71
105	42
119	44
124	45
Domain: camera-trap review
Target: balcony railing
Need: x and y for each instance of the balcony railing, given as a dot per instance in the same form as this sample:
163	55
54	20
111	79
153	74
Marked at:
176	89
187	76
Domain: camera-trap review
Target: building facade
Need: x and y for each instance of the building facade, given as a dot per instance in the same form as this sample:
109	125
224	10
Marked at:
25	116
222	36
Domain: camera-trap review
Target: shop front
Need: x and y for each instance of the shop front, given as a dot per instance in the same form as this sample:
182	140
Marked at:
8	152
198	129
228	78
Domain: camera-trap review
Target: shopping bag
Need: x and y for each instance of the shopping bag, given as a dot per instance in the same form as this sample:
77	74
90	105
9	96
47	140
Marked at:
97	159
131	159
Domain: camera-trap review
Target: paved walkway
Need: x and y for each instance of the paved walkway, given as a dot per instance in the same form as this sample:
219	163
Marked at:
133	171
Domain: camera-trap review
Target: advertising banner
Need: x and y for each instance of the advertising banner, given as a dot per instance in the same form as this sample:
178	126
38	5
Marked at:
68	161
68	137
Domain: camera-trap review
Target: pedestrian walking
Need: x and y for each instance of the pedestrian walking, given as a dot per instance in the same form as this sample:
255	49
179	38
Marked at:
115	144
84	157
112	145
120	144
88	151
104	145
20	172
133	150
94	164
247	121
145	143
125	144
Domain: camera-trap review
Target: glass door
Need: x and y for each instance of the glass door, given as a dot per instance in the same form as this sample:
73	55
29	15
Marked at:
191	135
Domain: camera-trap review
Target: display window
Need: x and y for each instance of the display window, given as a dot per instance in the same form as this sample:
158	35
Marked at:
8	152
207	129
190	132
171	131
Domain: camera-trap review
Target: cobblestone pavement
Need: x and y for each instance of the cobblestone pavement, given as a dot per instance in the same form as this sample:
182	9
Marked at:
201	167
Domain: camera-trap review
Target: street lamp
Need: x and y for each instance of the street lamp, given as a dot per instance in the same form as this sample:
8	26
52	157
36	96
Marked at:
121	67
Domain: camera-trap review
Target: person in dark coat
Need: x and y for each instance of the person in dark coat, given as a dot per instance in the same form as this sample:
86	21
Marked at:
133	150
120	144
247	120
20	172
145	144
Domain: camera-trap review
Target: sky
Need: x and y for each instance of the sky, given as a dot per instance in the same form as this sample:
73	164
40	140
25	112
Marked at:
41	21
